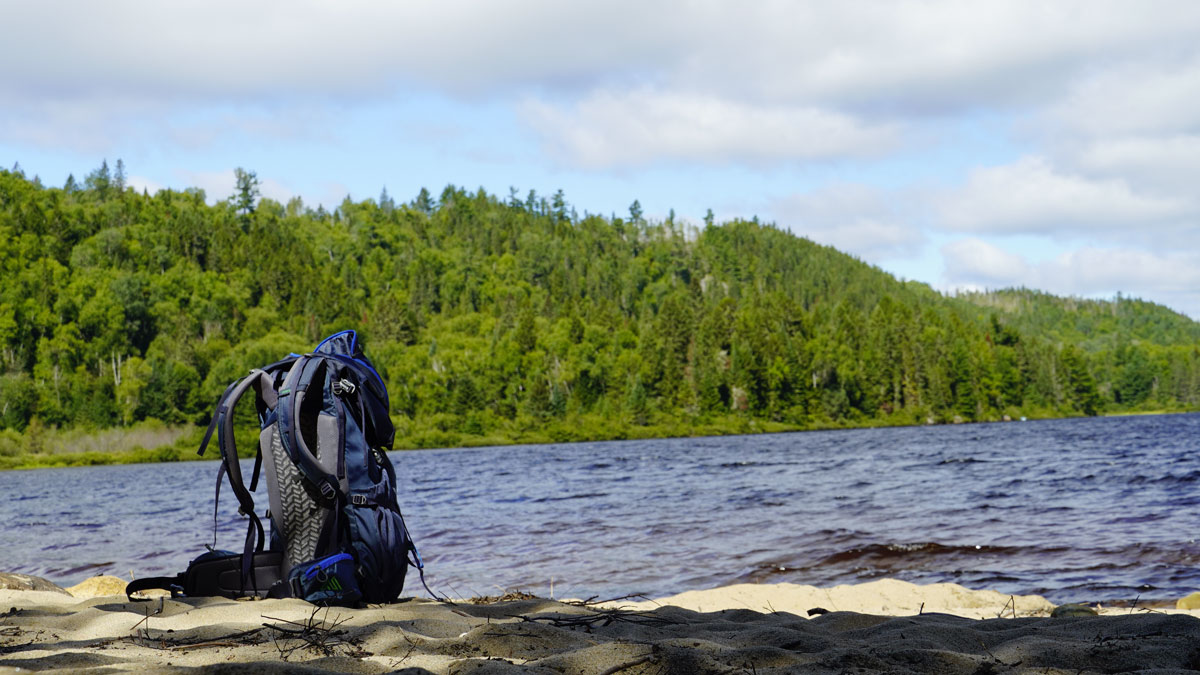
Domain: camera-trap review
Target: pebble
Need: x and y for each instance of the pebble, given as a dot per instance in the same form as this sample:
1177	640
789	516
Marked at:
100	586
25	582
1072	610
1189	601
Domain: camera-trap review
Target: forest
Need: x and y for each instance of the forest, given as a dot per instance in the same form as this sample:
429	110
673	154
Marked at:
501	319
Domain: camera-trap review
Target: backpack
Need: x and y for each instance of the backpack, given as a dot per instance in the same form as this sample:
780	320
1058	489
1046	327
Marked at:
337	535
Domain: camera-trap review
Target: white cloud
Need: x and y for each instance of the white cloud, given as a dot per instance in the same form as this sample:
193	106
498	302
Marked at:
1159	96
830	79
236	51
1030	196
975	263
926	56
1168	162
914	54
1172	278
853	218
611	128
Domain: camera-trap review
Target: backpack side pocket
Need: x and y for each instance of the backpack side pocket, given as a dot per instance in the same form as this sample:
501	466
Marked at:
380	545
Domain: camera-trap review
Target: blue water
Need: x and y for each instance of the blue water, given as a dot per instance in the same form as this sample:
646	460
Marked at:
1077	510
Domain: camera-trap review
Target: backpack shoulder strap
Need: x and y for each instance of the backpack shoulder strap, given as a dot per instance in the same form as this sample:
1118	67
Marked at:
261	382
226	440
300	380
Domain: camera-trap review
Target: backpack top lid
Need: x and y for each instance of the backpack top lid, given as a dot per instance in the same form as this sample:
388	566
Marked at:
344	343
344	347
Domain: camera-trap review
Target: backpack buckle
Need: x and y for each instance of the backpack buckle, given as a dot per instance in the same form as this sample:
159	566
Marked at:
358	500
328	491
343	386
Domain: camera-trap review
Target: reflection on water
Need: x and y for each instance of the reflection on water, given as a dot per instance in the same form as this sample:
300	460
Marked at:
1085	509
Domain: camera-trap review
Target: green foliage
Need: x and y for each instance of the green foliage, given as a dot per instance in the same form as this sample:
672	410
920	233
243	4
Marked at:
518	320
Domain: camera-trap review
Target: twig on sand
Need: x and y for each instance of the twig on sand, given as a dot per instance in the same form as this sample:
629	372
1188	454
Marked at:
412	646
995	658
314	636
145	633
593	601
626	666
508	596
1012	601
240	639
601	617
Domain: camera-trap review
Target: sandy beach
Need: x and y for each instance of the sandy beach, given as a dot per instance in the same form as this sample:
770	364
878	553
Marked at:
882	626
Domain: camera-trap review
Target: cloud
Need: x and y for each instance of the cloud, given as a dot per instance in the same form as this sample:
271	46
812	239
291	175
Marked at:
1031	196
915	55
611	128
852	218
925	57
1168	162
691	80
975	263
231	51
1145	96
1172	278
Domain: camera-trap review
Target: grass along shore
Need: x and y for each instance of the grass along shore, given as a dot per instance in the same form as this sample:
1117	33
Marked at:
152	441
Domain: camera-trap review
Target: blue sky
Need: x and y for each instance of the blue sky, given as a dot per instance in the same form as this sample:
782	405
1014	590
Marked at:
1054	145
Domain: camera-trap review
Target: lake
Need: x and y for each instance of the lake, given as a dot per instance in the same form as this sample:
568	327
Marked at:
1098	509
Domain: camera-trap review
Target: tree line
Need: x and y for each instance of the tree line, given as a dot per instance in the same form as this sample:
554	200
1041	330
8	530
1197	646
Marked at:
515	317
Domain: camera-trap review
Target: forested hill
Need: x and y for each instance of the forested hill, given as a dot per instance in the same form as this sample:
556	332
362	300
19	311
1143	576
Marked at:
497	319
1093	324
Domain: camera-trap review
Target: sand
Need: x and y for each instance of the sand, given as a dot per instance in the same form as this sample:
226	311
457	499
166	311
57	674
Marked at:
883	626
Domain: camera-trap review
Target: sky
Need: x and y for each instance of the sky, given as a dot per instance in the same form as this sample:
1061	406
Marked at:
968	145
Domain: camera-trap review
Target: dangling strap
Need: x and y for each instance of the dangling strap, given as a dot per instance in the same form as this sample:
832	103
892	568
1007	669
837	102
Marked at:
415	561
217	504
212	425
173	584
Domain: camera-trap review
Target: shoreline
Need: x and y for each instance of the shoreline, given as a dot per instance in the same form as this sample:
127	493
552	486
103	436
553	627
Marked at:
180	451
879	626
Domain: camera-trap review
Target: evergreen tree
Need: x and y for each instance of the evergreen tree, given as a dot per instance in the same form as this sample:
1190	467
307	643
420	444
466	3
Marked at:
100	180
246	193
118	179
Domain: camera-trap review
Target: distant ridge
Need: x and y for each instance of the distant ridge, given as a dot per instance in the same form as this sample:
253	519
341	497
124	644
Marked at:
1091	323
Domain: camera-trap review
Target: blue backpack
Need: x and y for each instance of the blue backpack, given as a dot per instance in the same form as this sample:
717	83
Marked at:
337	535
